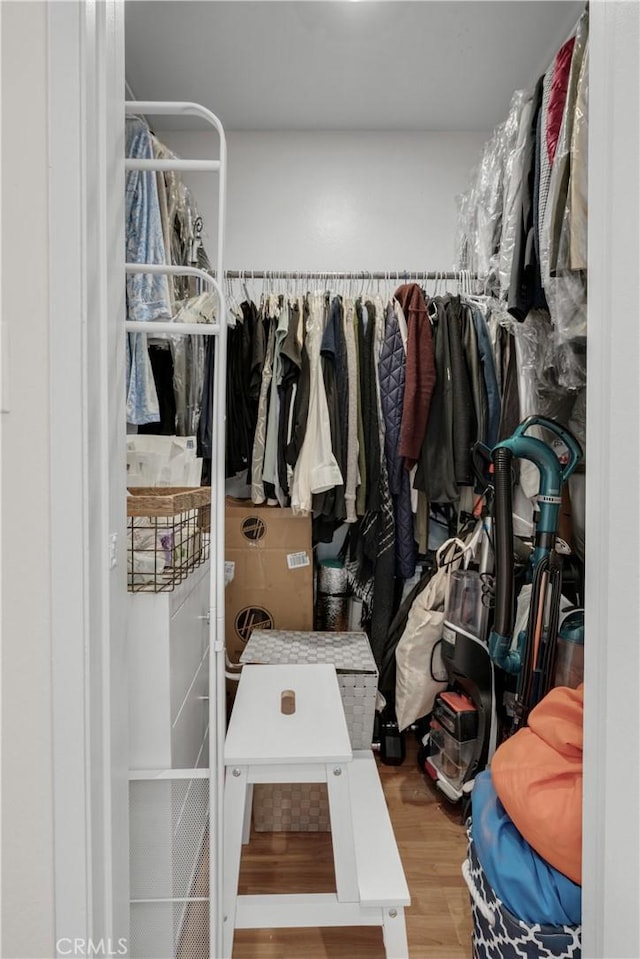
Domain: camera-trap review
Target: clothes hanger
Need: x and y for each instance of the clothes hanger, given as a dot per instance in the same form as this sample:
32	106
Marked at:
232	302
245	288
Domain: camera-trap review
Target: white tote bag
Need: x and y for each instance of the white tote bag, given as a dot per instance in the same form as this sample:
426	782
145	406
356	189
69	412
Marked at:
416	689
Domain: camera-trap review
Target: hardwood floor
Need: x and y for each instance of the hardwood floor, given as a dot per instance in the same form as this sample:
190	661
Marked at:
432	845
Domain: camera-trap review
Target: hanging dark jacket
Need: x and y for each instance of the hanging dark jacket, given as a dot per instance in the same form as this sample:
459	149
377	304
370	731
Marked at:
291	360
476	377
464	417
242	408
369	403
525	288
301	402
490	380
435	475
420	372
329	506
391	372
510	410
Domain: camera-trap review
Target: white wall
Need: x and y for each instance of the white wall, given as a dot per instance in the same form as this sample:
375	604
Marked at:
27	800
63	678
336	201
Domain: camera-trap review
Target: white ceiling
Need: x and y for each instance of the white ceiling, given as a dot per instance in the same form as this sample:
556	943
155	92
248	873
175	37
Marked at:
307	65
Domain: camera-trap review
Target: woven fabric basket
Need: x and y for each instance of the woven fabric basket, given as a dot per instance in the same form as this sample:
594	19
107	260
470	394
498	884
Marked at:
498	934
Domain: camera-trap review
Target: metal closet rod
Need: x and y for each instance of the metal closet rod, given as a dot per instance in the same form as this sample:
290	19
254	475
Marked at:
357	275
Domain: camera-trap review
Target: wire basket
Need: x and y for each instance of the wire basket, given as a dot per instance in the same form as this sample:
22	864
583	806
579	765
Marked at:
167	535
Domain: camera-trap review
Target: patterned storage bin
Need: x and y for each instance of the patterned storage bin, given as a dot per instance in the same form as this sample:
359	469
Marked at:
497	934
303	807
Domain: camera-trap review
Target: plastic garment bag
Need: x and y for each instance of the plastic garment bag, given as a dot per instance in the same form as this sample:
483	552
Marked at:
564	233
465	231
514	137
188	363
486	211
489	192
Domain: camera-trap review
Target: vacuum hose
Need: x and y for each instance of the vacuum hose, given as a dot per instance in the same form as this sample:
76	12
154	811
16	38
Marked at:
552	475
501	634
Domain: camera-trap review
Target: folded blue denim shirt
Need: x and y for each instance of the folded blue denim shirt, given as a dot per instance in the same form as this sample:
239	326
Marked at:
147	294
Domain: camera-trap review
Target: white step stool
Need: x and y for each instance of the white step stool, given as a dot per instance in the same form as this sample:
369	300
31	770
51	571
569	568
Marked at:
264	745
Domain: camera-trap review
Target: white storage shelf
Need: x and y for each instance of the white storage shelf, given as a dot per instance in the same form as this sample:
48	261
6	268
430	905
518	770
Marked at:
169	675
168	652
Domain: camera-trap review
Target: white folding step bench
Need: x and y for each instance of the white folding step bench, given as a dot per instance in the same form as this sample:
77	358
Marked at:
265	745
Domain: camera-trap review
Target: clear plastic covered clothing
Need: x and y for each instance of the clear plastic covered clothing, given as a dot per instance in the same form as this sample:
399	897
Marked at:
188	363
551	376
564	233
515	136
491	201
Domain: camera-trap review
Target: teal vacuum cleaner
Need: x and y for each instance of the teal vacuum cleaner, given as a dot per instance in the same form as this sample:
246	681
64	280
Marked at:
532	657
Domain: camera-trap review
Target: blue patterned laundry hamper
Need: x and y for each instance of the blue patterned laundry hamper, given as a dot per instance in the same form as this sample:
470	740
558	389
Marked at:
497	934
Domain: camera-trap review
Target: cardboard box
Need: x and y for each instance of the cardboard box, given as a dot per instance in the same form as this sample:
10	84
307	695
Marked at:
269	568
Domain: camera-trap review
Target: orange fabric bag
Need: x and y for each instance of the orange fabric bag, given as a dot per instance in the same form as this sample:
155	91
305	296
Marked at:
537	775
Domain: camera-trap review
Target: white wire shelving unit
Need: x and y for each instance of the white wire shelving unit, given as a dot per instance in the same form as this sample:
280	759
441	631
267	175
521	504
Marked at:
217	717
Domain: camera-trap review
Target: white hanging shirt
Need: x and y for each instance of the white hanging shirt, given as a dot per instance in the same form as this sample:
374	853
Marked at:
317	469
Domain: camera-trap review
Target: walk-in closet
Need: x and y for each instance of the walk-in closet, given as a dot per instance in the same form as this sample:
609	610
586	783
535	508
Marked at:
330	395
404	269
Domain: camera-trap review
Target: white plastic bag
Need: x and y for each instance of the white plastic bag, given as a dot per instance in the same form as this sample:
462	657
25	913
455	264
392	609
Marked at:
416	689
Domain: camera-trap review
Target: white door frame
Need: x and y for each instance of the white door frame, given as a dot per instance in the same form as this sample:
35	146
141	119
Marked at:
611	843
86	49
87	283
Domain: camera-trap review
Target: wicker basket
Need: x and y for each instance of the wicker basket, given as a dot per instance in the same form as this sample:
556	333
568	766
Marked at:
167	535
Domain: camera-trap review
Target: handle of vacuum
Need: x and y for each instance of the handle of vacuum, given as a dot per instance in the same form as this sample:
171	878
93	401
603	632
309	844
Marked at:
569	440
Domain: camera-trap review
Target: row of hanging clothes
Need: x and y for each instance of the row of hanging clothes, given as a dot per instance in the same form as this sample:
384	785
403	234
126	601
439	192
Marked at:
165	374
362	408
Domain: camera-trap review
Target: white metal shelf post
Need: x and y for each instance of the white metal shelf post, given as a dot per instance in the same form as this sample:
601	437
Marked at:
217	710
